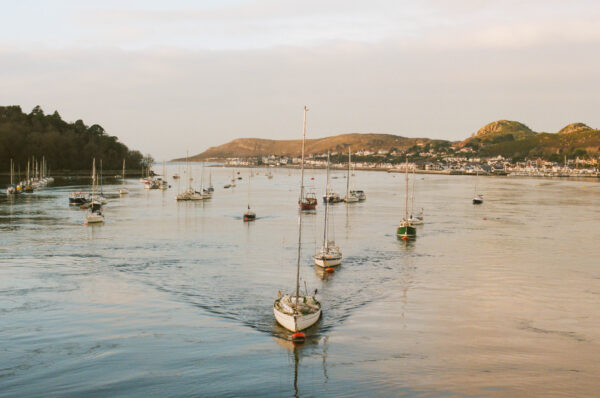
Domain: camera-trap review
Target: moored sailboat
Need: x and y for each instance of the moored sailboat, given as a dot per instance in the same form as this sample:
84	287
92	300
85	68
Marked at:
249	215
95	215
307	200
351	196
329	255
406	230
123	190
297	312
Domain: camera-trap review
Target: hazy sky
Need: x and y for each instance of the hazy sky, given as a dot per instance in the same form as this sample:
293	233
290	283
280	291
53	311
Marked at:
168	76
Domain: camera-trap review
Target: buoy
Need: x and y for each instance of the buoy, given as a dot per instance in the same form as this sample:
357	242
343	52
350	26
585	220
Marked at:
298	337
484	218
329	269
85	223
404	237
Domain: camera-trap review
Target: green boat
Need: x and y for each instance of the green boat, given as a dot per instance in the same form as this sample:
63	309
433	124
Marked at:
406	230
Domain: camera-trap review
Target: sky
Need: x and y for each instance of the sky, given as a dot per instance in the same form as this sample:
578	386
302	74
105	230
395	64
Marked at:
177	76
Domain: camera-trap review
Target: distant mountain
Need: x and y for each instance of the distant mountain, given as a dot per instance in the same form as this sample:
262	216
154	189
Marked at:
510	139
516	141
247	147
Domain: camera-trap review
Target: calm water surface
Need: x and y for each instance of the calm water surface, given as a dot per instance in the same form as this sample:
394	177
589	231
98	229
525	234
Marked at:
175	299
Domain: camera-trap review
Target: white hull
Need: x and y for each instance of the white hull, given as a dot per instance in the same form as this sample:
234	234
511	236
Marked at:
331	260
94	219
123	191
351	199
296	323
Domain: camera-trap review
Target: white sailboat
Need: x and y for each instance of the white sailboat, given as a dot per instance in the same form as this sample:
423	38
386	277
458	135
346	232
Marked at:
297	312
329	255
123	190
12	189
307	200
95	215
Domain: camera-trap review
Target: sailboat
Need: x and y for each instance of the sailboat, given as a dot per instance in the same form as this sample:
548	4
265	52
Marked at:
249	215
418	219
477	198
12	189
163	184
329	255
210	185
100	198
351	196
206	193
190	193
297	312
123	190
94	215
306	201
406	230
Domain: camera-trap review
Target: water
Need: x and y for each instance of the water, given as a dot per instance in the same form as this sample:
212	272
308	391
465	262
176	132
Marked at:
175	299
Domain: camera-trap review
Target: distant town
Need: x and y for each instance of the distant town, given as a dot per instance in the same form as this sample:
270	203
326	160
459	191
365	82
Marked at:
452	160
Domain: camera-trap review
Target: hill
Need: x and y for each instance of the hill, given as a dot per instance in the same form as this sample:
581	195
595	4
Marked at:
574	140
66	146
247	147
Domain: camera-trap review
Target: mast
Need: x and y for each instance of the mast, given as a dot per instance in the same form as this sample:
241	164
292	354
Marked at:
249	178
298	262
348	178
11	171
412	201
187	165
406	204
101	193
302	165
326	229
93	179
123	171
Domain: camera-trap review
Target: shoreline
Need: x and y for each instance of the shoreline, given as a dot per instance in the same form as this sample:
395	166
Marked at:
417	171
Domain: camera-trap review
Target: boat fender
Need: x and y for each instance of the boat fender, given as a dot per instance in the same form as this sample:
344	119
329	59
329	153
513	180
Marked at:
298	337
329	270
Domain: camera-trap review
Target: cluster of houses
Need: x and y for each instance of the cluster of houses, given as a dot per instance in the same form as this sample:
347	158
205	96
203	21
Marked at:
457	162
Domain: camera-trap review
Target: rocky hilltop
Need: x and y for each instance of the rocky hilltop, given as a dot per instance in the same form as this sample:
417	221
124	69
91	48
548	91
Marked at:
510	139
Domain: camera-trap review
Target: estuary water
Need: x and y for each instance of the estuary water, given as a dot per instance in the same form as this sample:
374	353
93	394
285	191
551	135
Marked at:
175	299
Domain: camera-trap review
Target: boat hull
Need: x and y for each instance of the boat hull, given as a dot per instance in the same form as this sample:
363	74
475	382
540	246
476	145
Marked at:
308	204
249	216
326	261
94	219
406	231
477	201
296	323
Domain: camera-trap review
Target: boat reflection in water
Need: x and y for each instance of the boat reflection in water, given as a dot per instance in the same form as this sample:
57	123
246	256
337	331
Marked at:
312	346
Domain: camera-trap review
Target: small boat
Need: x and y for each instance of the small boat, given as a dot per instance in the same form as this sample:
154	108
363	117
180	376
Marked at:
95	215
307	200
406	230
176	176
227	186
79	198
477	198
360	194
249	215
332	197
163	185
123	190
329	255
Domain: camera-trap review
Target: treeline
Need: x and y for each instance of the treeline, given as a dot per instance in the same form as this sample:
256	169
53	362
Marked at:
66	146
